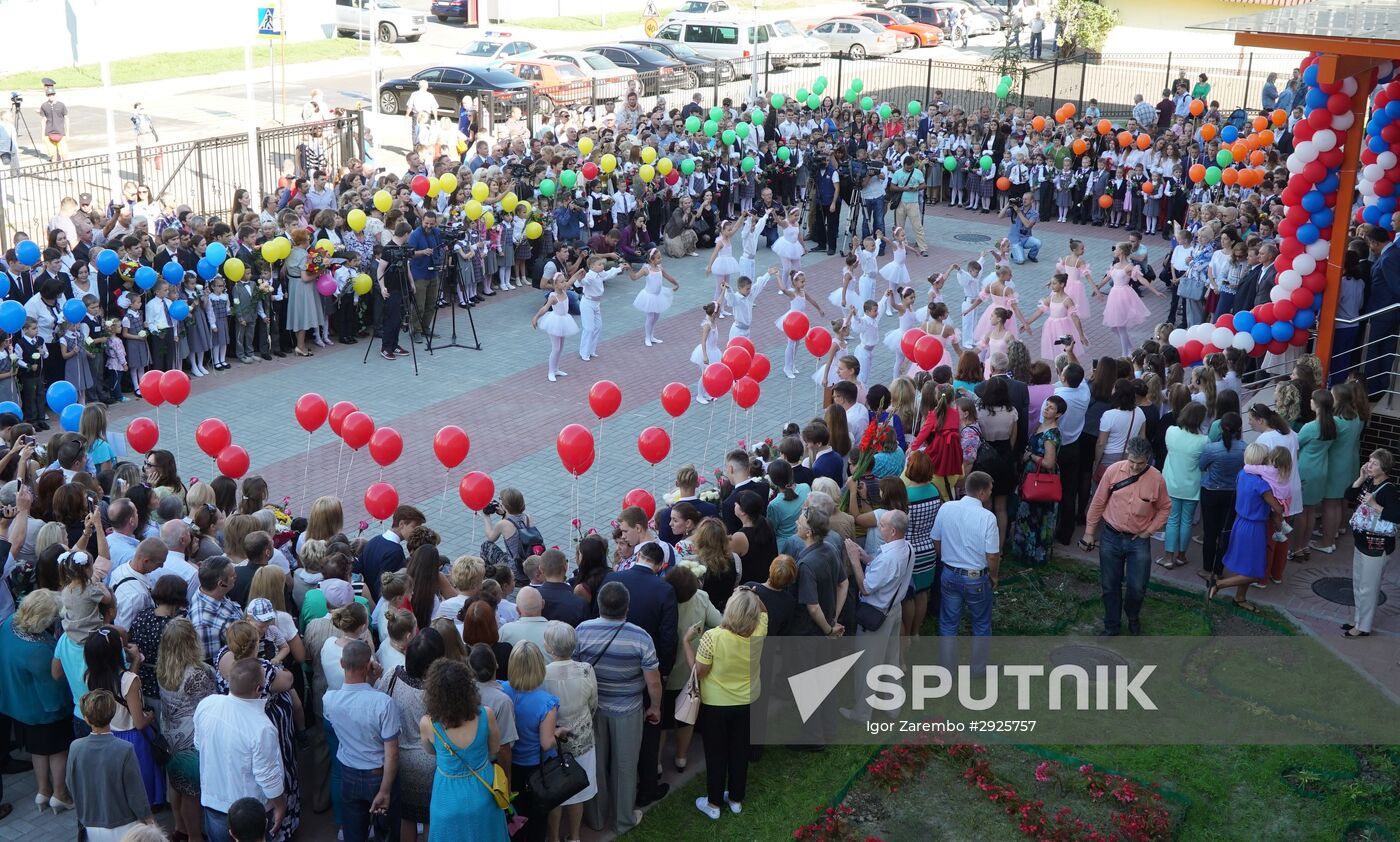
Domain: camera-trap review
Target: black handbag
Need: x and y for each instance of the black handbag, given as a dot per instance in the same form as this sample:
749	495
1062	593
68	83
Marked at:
557	779
871	618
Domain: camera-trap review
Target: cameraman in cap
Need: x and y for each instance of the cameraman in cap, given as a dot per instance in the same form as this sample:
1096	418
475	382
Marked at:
55	117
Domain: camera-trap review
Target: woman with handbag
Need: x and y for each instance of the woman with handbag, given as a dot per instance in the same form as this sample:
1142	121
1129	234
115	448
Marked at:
576	687
693	607
1373	527
724	664
470	793
536	725
1038	502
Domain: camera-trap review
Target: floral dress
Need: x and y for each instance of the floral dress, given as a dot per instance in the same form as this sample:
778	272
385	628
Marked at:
1033	531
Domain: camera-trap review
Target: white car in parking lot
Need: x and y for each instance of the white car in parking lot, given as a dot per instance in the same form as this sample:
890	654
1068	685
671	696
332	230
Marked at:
494	48
856	37
386	18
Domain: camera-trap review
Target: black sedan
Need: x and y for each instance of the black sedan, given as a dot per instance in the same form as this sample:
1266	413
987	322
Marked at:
449	83
703	68
658	72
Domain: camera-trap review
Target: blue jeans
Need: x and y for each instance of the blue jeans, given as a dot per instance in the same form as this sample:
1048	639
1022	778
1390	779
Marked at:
960	589
357	791
1178	532
1124	559
874	216
1020	251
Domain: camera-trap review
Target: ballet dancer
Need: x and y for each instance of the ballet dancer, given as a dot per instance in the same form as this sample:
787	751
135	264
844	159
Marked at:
655	297
554	319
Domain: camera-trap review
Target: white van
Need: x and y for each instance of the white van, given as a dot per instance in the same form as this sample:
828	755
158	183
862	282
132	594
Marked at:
730	40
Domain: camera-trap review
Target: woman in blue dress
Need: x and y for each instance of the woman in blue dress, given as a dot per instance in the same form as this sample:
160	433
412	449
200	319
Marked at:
1246	559
462	735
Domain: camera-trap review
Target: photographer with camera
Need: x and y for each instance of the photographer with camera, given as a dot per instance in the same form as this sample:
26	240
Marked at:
906	184
873	183
425	243
393	280
827	189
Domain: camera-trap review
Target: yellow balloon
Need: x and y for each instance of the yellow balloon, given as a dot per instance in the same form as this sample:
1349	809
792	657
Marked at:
480	191
664	166
434	187
461	147
285	249
533	231
233	269
362	284
474	210
585	145
271	251
448	182
383	201
508	202
355	219
647	172
324	245
489	218
648	154
608	163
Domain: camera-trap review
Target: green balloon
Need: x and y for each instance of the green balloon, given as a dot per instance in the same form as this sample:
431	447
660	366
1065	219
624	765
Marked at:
821	82
711	128
1007	81
1224	158
802	94
716	113
784	153
1213	175
568	178
547	187
692	124
778	100
985	162
757	116
914	107
950	163
728	137
814	102
849	96
742	130
747	164
866	103
820	86
885	111
688	166
857	85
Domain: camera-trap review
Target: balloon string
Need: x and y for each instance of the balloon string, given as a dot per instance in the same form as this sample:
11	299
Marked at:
673	439
442	504
596	474
709	433
178	419
339	457
349	466
306	470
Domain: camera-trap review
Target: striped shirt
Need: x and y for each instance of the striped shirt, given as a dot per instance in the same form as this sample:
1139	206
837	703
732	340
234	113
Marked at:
620	665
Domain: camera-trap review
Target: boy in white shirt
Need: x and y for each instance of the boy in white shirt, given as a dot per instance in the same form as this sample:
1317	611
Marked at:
867	329
741	302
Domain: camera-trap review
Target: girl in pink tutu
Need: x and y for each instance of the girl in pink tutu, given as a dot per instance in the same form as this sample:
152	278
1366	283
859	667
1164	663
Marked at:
1063	318
999	293
1077	268
998	338
1124	310
937	325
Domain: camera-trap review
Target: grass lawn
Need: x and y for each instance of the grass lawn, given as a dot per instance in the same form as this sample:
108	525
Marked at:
174	65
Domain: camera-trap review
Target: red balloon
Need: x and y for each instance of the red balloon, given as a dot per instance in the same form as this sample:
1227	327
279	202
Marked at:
672	177
737	360
675	399
575	446
381	499
142	434
759	368
910	340
1302	298
1208	349
338	414
311	411
1320	119
1191	352
795	325
590	170
1338	103
604	398
717	378
212	436
385	446
1284	310
742	342
1315	283
641	498
356	430
232	462
1265	313
1226	320
818	341
927	352
150	388
420	185
746	392
1300	338
654	444
451	446
175	386
476	490
1276	347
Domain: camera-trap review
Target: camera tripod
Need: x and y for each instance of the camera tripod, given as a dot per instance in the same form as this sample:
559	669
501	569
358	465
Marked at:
410	307
449	269
17	104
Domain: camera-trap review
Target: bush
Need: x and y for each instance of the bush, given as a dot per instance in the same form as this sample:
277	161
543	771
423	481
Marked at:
1083	25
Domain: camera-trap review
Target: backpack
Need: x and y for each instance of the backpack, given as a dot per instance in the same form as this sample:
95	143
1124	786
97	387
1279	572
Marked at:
944	448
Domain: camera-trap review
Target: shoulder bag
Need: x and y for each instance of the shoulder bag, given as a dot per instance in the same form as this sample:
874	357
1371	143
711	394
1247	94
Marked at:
1041	487
499	789
871	618
557	779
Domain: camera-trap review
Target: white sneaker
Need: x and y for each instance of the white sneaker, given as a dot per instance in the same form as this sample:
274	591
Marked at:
711	811
656	340
552	378
562	373
791	375
734	806
648	343
701	399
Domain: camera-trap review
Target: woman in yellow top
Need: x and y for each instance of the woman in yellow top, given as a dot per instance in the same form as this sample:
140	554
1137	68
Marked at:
726	664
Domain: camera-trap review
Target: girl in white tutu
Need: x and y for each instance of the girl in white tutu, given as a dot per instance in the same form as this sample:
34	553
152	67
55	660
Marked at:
554	319
826	374
852	292
655	297
722	263
789	247
749	235
708	350
905	306
1063	317
895	273
798	299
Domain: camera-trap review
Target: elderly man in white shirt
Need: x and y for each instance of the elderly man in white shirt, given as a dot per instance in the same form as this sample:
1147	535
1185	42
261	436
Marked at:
234	733
887	578
132	582
530	625
968	542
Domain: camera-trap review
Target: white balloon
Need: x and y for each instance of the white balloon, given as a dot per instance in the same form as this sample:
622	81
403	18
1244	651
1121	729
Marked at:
1294	164
1278	293
1291	280
1304	264
1349	86
1320	249
1201	332
1221	336
1324	139
1373	172
1243	341
1342	122
1385	69
1306	151
1387	160
1178	337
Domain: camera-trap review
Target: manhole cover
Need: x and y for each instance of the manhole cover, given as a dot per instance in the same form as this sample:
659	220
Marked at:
1087	657
972	238
1337	589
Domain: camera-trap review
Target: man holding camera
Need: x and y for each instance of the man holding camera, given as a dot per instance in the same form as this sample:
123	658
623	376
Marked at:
907	183
828	196
425	244
393	262
870	175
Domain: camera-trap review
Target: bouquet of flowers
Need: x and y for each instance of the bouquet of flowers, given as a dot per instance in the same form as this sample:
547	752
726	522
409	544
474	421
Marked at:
263	291
126	270
878	435
318	262
693	566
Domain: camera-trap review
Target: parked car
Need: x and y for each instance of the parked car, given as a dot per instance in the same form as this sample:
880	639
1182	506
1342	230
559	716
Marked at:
495	47
856	37
992	10
386	18
730	40
658	71
556	83
445	9
699	8
947	12
610	81
924	34
703	69
449	83
788	40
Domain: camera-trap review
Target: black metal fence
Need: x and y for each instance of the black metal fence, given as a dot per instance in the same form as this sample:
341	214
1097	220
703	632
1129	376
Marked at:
203	174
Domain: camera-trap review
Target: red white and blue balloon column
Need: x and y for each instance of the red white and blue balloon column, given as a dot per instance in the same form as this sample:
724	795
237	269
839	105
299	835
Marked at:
1380	159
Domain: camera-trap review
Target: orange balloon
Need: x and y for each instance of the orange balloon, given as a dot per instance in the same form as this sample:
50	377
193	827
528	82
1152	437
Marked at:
1069	108
1198	172
1148	187
1229	175
1257	157
1105	201
1079	146
1279	117
1060	116
1198	107
1261	123
1003	183
1208	132
1038	123
1105	127
1144	141
1239	151
1255	178
1266	137
1125	139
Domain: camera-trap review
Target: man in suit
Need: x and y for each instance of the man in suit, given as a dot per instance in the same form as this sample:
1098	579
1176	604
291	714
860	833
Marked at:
388	552
1384	291
687	480
1020	394
1249	283
21	279
736	470
560	601
651	606
1268	276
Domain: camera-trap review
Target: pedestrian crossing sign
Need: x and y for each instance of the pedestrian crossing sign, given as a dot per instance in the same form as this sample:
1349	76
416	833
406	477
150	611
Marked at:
267	22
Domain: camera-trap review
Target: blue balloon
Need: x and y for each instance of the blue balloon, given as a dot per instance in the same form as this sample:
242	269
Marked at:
179	311
1386	222
1392	109
60	395
1315	99
1282	331
28	252
1313	201
1378	145
216	253
108	262
145	277
12	408
172	272
1304	320
206	268
70	417
1308	233
1387	204
74	311
12	316
1244	321
1261	333
4	285
1310	74
1229	134
1323	219
1371	214
1330	183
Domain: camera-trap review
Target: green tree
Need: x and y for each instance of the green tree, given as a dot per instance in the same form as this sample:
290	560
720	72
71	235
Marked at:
1083	25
